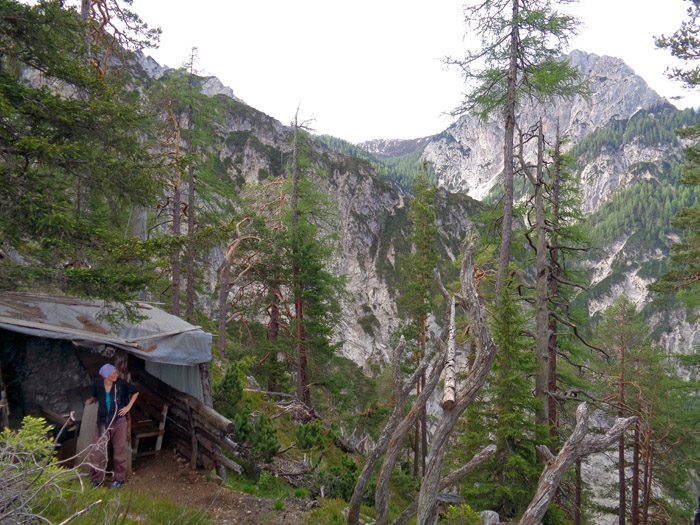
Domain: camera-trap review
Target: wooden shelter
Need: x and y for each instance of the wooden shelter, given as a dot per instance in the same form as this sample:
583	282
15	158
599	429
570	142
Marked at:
51	348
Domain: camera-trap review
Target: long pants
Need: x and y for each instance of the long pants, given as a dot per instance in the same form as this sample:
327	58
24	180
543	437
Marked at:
115	432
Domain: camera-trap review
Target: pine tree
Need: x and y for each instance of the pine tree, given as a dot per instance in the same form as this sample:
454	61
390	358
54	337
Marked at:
684	262
643	381
417	270
71	163
520	58
506	411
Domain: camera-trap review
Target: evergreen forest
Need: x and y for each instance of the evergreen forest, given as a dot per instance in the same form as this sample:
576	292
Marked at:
384	350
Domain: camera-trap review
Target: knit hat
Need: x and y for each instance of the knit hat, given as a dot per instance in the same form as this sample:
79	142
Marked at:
106	370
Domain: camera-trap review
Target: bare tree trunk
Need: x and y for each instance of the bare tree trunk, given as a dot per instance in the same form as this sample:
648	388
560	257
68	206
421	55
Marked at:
303	394
509	133
648	476
189	291
416	441
553	291
85	10
224	287
274	326
225	283
205	377
450	391
579	491
424	416
393	447
622	510
635	477
541	299
451	479
475	377
4	405
579	445
401	392
177	200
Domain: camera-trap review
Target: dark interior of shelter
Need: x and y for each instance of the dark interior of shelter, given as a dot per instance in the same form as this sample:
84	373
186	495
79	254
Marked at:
52	378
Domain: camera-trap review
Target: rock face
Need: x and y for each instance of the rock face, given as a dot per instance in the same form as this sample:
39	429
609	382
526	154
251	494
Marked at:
393	148
468	156
212	86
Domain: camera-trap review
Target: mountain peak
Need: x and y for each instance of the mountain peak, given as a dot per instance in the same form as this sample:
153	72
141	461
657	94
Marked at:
468	156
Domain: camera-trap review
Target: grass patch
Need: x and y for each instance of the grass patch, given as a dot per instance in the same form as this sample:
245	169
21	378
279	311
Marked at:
141	508
331	511
267	487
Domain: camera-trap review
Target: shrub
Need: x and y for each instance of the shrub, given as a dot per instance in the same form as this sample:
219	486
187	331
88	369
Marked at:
229	392
29	473
312	435
463	515
263	446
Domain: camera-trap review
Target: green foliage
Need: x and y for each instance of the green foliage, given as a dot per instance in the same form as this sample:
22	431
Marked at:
648	127
505	411
330	512
228	393
264	441
75	159
643	213
262	444
29	473
539	34
684	44
313	435
339	482
664	403
684	262
401	171
462	515
241	421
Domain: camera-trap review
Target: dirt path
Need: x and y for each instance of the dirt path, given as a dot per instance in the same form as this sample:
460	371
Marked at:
169	477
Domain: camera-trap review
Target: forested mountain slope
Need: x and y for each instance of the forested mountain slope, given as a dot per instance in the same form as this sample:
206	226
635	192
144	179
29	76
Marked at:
628	158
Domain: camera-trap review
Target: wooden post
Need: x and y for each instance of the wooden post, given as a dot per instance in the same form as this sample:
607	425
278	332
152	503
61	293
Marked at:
193	437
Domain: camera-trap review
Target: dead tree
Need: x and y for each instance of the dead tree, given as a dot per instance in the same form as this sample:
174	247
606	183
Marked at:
401	392
474	378
451	479
177	211
399	434
541	299
578	446
225	283
191	223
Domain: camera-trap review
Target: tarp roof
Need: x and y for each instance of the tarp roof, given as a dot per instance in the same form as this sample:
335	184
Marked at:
160	337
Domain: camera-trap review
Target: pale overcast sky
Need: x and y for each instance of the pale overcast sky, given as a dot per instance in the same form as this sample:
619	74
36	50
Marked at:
373	68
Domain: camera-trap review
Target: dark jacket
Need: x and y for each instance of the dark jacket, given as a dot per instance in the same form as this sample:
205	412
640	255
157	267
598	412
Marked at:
120	395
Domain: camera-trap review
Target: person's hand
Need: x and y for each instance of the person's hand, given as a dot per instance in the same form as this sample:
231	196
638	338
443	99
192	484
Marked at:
123	411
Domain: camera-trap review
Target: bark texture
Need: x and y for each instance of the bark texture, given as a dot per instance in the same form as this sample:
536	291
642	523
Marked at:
579	445
449	480
474	379
401	393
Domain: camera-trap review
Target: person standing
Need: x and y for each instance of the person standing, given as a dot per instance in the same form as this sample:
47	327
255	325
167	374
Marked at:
115	397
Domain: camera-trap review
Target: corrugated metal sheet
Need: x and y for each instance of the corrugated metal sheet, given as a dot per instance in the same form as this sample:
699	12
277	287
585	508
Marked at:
159	338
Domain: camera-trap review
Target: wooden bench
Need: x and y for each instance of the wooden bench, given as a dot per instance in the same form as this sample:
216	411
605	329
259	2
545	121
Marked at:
148	417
